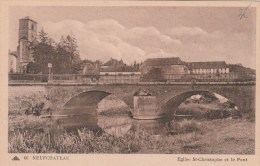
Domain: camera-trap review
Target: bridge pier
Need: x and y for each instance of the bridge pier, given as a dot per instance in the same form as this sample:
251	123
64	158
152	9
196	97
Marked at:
145	107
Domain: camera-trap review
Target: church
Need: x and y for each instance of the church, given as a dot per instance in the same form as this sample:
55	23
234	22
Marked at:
26	38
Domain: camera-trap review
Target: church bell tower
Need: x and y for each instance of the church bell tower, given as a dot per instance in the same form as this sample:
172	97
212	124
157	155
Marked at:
26	37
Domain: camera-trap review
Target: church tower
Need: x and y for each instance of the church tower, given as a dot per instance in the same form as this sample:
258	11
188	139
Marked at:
26	37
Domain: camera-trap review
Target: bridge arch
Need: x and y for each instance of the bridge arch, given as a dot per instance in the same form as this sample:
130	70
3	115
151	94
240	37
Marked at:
84	111
91	98
175	101
87	98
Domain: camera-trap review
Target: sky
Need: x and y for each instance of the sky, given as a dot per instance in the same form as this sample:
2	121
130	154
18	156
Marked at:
137	33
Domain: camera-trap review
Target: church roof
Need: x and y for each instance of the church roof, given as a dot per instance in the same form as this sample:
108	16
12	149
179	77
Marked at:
28	18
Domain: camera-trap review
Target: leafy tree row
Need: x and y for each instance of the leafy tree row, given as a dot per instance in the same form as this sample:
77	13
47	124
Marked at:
64	55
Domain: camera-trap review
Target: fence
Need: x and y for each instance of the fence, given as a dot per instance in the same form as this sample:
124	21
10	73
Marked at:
225	77
28	77
75	78
116	79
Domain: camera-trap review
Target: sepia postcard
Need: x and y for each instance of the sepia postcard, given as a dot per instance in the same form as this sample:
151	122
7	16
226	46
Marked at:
129	83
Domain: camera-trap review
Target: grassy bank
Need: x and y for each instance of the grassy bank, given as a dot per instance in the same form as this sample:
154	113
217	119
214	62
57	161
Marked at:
204	137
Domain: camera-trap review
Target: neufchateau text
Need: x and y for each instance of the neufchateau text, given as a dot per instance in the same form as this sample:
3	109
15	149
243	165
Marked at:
51	157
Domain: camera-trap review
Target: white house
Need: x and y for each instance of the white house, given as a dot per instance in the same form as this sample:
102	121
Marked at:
12	62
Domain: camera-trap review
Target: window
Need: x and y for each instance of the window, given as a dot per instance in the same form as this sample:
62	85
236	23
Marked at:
227	70
32	27
219	70
204	71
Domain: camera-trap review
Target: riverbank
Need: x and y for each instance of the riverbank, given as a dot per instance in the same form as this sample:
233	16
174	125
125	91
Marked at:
194	137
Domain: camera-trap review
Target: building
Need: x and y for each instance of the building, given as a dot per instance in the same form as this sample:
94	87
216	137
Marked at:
26	37
213	70
12	62
112	64
165	69
213	67
115	71
88	67
174	69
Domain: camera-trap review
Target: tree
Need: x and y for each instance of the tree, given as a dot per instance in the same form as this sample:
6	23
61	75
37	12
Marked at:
43	52
64	55
68	50
70	45
136	66
43	36
62	60
242	73
154	75
32	68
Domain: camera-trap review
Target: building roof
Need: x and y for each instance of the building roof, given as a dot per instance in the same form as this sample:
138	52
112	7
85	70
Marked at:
163	61
114	62
24	37
207	65
119	69
28	18
14	53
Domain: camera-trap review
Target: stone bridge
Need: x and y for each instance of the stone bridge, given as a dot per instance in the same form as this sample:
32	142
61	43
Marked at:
164	98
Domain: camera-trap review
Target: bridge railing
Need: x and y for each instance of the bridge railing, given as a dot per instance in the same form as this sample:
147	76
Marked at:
111	79
76	78
28	77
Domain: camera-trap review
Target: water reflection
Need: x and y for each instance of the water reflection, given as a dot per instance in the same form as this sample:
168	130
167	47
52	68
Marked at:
115	122
76	117
115	125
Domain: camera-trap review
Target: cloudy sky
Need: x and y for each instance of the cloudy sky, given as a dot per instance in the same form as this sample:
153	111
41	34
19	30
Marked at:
138	33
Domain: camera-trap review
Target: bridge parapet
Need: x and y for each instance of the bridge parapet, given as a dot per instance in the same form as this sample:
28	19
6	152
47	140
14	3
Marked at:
110	79
24	83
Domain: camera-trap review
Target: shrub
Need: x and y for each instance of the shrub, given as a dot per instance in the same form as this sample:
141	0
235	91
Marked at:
187	126
184	126
209	111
